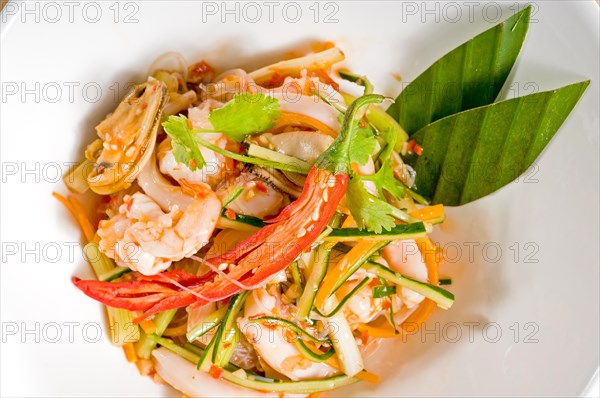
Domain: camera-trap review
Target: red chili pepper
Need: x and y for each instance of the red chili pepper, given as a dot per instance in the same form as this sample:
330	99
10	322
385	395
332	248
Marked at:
215	372
259	256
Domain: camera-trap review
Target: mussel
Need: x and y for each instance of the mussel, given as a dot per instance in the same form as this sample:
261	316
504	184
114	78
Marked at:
127	138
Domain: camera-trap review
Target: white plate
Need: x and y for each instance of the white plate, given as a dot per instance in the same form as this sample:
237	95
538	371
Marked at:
540	293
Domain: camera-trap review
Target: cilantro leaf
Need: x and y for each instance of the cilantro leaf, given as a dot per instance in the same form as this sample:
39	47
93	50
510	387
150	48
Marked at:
362	144
384	179
383	291
367	210
185	148
245	114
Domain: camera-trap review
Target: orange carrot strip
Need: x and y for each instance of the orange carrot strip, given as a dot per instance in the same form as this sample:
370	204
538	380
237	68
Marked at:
429	212
130	352
421	314
148	326
75	209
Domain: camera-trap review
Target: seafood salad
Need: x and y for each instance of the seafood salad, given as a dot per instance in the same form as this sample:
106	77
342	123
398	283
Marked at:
265	231
255	230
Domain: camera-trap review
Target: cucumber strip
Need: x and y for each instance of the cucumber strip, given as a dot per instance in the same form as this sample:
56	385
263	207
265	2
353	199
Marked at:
400	231
204	361
443	298
358	79
145	345
114	274
356	289
252	160
301	333
263	384
445	281
318	270
76	177
263	153
185	353
308	353
226	335
296	274
359	263
240	222
100	263
232	196
121	327
206	324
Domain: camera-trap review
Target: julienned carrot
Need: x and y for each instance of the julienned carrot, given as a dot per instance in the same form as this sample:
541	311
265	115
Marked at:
421	314
77	211
429	212
129	351
334	277
255	260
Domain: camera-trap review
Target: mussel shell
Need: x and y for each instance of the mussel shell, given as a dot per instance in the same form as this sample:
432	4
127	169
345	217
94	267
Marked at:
129	136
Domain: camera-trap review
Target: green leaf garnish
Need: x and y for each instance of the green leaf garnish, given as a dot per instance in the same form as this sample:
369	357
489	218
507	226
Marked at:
185	148
473	153
362	144
469	76
245	114
383	291
367	210
189	154
384	179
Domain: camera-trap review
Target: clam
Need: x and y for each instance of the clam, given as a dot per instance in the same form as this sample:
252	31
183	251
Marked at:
127	138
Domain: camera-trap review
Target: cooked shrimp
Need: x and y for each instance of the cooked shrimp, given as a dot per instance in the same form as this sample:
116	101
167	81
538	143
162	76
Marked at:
146	239
404	257
271	345
257	199
217	166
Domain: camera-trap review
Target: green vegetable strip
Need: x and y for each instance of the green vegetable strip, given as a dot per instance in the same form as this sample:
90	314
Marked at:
358	79
382	122
317	273
296	274
120	322
100	263
267	154
400	231
204	362
226	334
247	159
144	347
76	178
186	354
445	281
207	324
308	353
263	384
233	196
303	334
341	304
443	298
359	263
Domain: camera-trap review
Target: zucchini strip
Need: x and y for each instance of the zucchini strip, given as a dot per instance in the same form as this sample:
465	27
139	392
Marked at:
301	333
262	384
443	298
317	273
310	354
400	231
353	292
206	324
227	333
